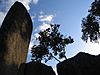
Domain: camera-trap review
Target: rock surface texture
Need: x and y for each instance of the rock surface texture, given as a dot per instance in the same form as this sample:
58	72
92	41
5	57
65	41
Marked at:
34	68
15	34
81	64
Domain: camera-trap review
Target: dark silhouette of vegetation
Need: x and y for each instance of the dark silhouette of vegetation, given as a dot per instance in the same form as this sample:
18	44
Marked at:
90	24
51	45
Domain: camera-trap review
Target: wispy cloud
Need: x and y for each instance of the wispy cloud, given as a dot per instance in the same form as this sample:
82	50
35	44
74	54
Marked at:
46	18
35	1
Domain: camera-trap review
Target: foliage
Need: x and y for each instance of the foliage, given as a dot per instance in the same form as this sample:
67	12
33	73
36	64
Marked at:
90	24
51	43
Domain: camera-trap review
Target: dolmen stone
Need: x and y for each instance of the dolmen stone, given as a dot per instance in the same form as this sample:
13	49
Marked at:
81	64
35	68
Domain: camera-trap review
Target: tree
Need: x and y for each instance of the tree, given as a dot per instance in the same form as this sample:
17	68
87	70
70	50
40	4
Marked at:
51	45
90	24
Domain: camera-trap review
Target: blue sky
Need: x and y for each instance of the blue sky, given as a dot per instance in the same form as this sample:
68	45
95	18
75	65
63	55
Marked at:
68	13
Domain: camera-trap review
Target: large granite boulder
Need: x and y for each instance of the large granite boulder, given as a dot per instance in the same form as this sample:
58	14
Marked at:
35	68
15	34
81	64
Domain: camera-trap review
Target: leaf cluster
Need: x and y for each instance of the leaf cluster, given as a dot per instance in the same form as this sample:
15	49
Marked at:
51	44
90	24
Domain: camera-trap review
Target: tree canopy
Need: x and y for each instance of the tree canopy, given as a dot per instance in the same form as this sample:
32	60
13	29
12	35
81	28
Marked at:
90	24
51	44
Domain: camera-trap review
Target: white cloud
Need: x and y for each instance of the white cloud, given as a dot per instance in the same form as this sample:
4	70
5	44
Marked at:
92	48
46	18
35	1
41	12
44	26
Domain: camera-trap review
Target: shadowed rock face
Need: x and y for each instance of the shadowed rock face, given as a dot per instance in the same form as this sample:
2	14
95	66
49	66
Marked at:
34	68
15	34
81	64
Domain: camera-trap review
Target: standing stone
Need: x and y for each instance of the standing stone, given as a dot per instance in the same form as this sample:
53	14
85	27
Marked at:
15	34
35	68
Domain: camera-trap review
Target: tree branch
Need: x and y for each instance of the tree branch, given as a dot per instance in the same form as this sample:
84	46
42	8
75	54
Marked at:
56	58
